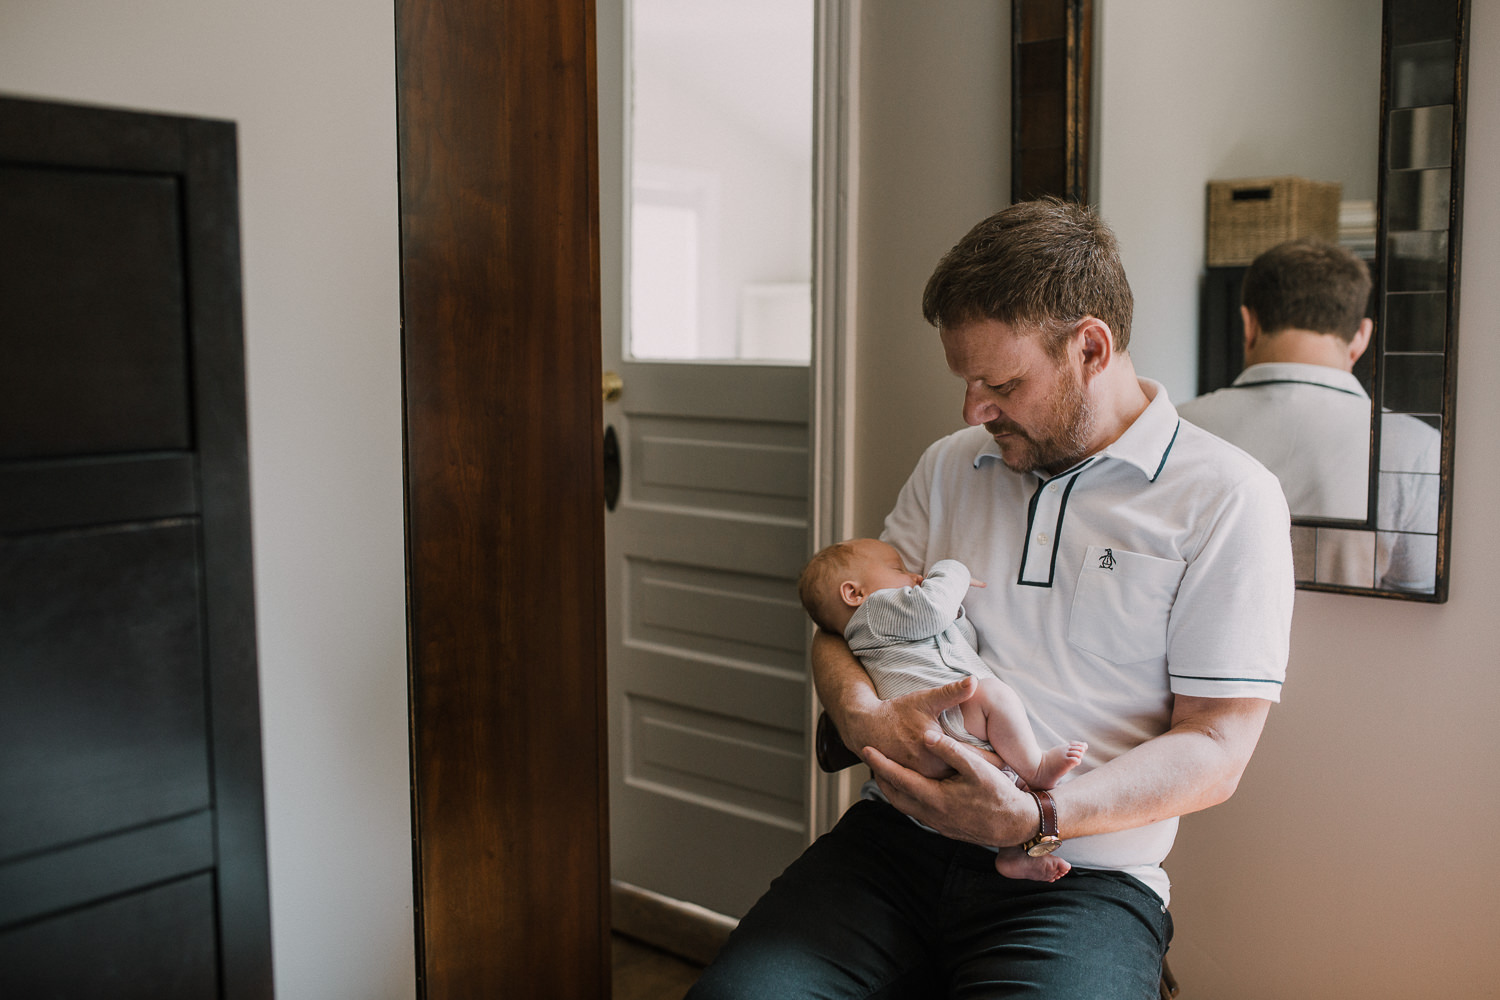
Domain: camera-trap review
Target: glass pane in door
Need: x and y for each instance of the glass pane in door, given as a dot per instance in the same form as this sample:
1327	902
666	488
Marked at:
721	181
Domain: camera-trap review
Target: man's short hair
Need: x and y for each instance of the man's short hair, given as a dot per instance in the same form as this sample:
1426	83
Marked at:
818	585
1307	284
1036	265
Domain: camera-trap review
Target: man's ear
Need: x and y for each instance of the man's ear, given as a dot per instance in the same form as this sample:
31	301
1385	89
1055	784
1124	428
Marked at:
1096	345
1252	329
1361	340
850	594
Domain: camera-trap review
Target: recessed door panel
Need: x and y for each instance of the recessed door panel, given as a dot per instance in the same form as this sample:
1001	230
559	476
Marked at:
102	698
91	302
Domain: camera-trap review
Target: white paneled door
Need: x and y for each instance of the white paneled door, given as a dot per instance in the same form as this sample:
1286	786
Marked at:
706	257
707	678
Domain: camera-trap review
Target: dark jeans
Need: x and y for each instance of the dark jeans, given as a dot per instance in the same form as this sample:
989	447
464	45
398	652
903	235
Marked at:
880	907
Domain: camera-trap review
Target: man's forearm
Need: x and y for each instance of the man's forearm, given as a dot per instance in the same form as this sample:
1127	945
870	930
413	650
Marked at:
1194	765
842	684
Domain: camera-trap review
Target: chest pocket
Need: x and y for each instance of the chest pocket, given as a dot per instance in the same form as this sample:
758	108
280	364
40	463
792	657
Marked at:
1121	606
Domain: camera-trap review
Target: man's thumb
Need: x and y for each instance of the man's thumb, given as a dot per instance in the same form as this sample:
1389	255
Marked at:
952	694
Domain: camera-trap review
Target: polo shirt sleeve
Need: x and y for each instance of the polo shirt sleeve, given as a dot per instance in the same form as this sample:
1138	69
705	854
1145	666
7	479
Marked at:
1229	629
908	527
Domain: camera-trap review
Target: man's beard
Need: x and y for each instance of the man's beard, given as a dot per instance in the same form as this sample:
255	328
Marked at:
1070	427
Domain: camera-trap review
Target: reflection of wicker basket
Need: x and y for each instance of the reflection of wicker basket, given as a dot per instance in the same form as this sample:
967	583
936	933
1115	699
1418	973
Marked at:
1248	217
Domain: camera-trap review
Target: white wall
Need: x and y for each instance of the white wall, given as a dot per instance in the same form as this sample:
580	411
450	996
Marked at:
1358	858
1230	90
312	88
934	159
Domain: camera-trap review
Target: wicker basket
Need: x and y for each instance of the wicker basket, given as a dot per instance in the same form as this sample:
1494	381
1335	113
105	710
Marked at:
1248	217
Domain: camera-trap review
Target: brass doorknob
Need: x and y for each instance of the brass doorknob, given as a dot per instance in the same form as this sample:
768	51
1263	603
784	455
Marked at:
613	386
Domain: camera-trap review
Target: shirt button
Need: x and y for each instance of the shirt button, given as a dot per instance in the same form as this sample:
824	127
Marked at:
1042	539
1052	488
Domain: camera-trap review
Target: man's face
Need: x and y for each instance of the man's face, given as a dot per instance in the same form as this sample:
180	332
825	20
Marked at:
1033	405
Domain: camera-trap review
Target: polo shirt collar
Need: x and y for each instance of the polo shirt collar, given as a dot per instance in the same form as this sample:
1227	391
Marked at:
1291	371
1145	444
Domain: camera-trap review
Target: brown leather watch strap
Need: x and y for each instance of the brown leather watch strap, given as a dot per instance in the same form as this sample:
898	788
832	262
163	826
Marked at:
1047	839
1048	808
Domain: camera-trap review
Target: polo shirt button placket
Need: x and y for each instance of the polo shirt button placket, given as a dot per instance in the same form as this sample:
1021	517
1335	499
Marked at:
1045	527
1047	509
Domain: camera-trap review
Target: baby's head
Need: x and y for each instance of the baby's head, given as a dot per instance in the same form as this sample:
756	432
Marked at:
838	579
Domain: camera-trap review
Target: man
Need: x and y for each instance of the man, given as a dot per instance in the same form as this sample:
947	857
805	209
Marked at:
1298	408
1139	598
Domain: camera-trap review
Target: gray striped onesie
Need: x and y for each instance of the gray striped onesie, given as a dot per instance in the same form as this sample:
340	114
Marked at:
914	638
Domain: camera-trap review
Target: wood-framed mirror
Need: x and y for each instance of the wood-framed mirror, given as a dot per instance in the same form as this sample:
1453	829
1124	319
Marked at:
1399	549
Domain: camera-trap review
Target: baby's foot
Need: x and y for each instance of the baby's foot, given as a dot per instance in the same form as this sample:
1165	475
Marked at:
1012	862
1057	762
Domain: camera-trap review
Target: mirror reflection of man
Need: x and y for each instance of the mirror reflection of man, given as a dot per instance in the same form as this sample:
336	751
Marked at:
1139	589
1298	408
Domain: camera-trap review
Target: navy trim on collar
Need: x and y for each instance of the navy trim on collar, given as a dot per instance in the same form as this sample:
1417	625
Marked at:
1296	381
1164	454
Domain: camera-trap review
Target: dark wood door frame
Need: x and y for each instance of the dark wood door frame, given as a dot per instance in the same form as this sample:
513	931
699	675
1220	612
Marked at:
497	136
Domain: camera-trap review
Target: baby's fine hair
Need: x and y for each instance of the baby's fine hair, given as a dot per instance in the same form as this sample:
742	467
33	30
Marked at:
818	584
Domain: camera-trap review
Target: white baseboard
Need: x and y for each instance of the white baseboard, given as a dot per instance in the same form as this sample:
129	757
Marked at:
683	929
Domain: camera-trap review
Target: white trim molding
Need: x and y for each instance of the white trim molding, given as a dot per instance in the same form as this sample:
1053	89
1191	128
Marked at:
835	224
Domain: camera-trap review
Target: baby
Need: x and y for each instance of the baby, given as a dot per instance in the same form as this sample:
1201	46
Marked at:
910	633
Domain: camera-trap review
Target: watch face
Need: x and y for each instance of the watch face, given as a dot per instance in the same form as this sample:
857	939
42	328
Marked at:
1043	847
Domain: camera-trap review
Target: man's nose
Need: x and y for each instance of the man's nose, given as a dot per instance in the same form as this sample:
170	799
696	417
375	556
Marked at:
979	406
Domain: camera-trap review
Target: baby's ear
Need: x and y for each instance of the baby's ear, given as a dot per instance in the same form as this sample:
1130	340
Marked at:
850	595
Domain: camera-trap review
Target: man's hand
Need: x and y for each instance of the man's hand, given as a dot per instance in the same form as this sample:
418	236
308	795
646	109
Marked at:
900	727
905	727
1193	765
976	802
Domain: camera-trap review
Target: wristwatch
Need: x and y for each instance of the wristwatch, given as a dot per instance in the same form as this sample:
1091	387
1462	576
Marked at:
1047	839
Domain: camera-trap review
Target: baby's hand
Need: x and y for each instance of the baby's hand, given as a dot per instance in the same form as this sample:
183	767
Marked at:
976	583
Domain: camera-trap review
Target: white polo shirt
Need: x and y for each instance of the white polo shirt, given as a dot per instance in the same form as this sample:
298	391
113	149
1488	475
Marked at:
1310	425
1158	566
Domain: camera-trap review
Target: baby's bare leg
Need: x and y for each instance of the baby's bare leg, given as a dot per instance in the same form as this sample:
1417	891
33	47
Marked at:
996	711
1012	862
